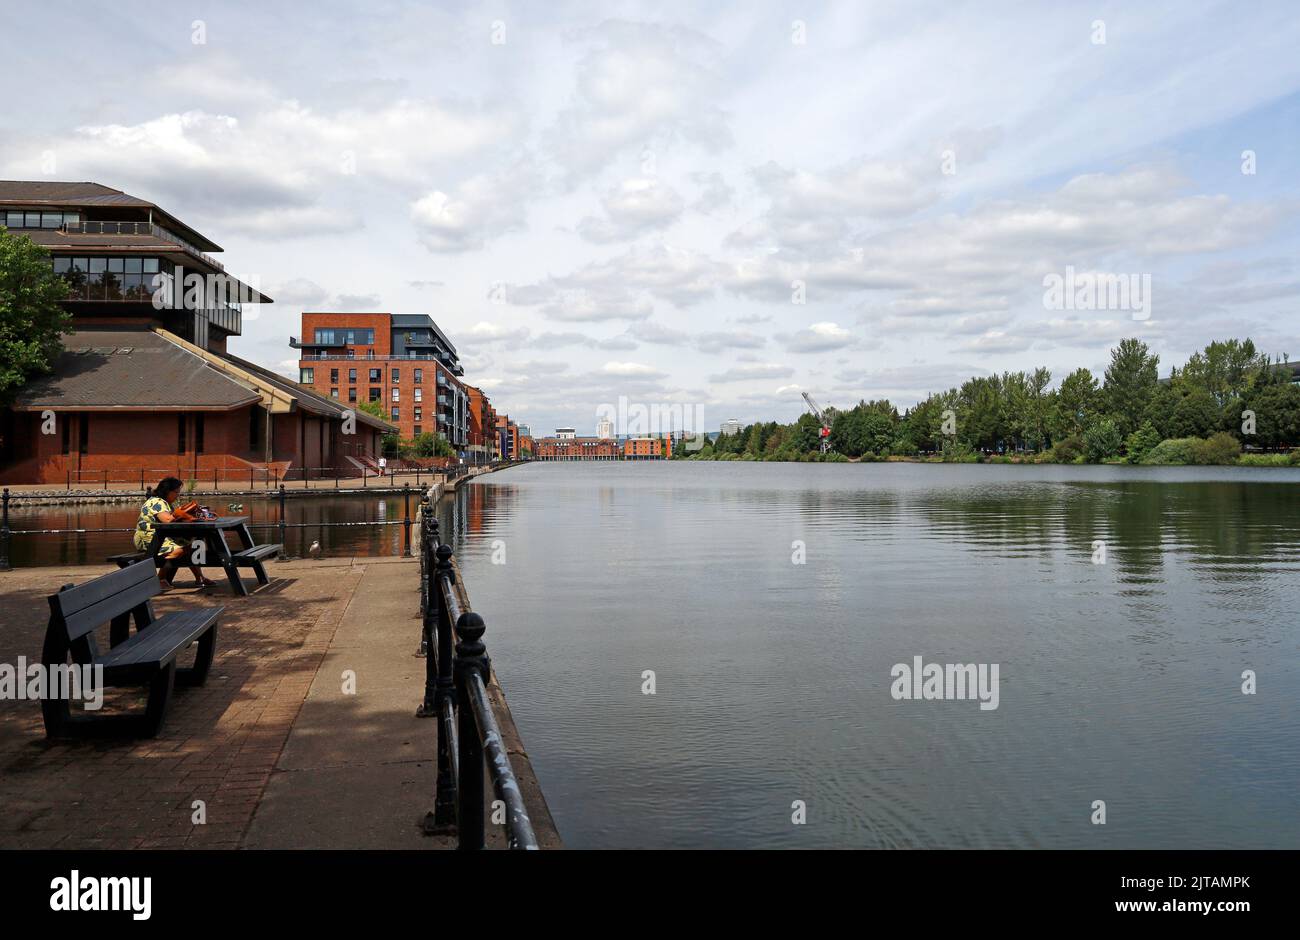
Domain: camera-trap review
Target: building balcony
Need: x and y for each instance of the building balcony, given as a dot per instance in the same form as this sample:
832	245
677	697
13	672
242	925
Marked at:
350	355
138	228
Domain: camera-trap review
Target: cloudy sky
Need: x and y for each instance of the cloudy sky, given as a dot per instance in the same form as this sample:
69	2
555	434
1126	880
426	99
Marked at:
712	205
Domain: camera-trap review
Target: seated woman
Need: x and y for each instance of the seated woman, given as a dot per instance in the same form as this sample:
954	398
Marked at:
159	507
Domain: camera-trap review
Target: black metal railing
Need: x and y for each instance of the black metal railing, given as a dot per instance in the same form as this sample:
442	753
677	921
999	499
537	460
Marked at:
457	674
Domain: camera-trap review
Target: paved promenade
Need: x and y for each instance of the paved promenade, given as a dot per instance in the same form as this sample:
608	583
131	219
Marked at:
281	755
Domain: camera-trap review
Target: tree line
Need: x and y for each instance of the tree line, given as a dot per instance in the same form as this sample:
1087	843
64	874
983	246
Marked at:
1225	397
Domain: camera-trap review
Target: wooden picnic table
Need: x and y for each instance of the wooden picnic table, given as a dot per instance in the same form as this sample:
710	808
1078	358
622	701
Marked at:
212	532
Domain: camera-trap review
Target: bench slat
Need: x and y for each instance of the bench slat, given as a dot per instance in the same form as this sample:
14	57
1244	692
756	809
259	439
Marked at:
258	551
163	639
86	606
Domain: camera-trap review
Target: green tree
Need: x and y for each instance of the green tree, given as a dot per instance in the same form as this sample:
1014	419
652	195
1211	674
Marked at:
1077	401
1277	416
32	321
1103	440
1196	415
373	408
1141	442
1225	369
1131	380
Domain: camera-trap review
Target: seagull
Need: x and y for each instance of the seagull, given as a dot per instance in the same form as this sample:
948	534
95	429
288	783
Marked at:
314	551
234	507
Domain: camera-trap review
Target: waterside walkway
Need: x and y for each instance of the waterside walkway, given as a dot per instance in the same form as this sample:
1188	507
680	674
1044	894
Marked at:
304	736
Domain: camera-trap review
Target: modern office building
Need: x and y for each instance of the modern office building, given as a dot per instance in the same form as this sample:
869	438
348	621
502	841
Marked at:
604	428
405	362
145	383
731	426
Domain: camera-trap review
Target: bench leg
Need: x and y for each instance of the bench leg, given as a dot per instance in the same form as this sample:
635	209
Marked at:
198	673
160	693
236	582
258	570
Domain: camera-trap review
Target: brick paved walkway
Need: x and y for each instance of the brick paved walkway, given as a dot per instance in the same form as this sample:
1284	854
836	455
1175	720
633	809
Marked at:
220	742
279	755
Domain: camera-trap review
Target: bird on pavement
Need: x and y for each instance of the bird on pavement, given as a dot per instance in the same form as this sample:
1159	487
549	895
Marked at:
314	551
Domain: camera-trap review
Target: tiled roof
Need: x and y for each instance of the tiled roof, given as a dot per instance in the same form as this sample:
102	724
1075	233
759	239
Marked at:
132	370
308	399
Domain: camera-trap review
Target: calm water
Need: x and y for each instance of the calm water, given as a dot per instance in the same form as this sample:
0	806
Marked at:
94	547
1119	682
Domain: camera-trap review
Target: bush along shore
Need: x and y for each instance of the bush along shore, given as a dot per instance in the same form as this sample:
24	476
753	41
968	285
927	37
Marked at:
1228	404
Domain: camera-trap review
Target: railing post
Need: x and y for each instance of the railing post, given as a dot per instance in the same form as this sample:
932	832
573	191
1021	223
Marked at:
106	481
282	514
4	533
471	660
406	518
444	815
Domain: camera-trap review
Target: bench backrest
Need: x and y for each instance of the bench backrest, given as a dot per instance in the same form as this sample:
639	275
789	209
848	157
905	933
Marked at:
84	607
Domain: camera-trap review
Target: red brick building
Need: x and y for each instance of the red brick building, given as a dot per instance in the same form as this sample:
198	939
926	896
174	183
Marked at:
575	448
482	427
145	384
402	361
646	448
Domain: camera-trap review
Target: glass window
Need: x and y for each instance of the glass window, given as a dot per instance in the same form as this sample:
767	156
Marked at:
417	427
419	394
334	393
376	375
62	265
397	375
133	265
33	220
352	394
72	218
334	375
397	394
374	394
307	376
419	376
352	375
116	265
51	219
13	219
396	413
150	265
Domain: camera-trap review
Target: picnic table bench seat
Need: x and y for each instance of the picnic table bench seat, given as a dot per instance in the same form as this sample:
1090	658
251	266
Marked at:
146	658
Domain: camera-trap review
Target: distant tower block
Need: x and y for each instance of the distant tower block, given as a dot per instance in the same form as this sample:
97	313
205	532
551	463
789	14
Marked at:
604	429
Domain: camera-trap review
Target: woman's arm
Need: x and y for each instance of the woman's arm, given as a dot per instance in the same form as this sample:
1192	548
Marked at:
165	517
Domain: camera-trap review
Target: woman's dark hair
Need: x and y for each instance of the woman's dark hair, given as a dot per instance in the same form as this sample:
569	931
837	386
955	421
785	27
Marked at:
165	486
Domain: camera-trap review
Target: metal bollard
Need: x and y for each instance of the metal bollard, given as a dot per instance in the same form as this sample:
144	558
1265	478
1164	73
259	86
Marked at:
4	534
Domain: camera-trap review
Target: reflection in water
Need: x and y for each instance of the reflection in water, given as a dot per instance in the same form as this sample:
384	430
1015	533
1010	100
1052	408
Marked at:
1119	681
93	548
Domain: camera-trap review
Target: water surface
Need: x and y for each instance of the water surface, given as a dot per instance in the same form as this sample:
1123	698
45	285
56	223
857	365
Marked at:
1119	681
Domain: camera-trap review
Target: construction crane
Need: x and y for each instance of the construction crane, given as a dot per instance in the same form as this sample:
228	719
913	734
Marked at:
821	417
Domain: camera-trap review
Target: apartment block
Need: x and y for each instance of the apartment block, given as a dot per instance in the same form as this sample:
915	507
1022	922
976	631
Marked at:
402	361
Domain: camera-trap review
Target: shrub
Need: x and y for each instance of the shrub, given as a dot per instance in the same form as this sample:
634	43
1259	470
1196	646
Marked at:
1174	452
1066	451
1220	448
1141	442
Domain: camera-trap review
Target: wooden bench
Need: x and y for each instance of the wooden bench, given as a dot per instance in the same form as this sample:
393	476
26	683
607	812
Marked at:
253	558
127	558
147	658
